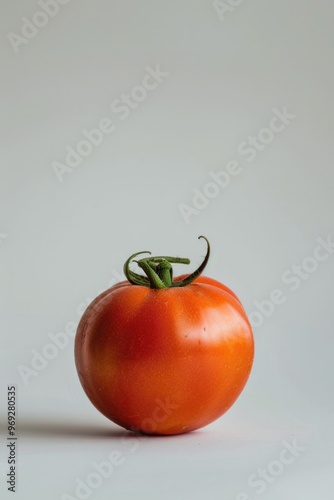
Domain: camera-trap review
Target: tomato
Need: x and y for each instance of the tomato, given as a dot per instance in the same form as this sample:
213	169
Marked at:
164	356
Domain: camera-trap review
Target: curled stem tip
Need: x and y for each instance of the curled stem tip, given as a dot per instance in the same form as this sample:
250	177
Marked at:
159	271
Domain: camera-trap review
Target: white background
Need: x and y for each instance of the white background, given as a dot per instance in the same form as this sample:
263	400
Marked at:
63	242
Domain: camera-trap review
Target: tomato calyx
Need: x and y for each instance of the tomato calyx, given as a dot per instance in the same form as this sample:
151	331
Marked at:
159	270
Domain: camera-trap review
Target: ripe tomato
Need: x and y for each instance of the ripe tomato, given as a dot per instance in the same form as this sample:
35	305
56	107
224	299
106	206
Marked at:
161	355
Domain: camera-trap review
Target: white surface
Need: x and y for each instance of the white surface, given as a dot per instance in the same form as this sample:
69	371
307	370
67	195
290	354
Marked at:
61	243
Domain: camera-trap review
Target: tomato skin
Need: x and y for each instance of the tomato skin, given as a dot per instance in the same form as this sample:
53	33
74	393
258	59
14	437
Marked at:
164	361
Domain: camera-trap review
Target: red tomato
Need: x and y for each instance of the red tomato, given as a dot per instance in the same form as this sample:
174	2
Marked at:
164	360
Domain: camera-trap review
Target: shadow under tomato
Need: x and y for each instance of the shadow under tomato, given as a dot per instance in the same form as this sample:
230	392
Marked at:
60	429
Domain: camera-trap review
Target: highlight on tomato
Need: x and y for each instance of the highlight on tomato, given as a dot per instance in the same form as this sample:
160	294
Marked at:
162	355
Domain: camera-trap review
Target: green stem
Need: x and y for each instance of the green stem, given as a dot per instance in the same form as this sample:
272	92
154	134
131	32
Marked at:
159	271
153	277
165	272
189	279
134	278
